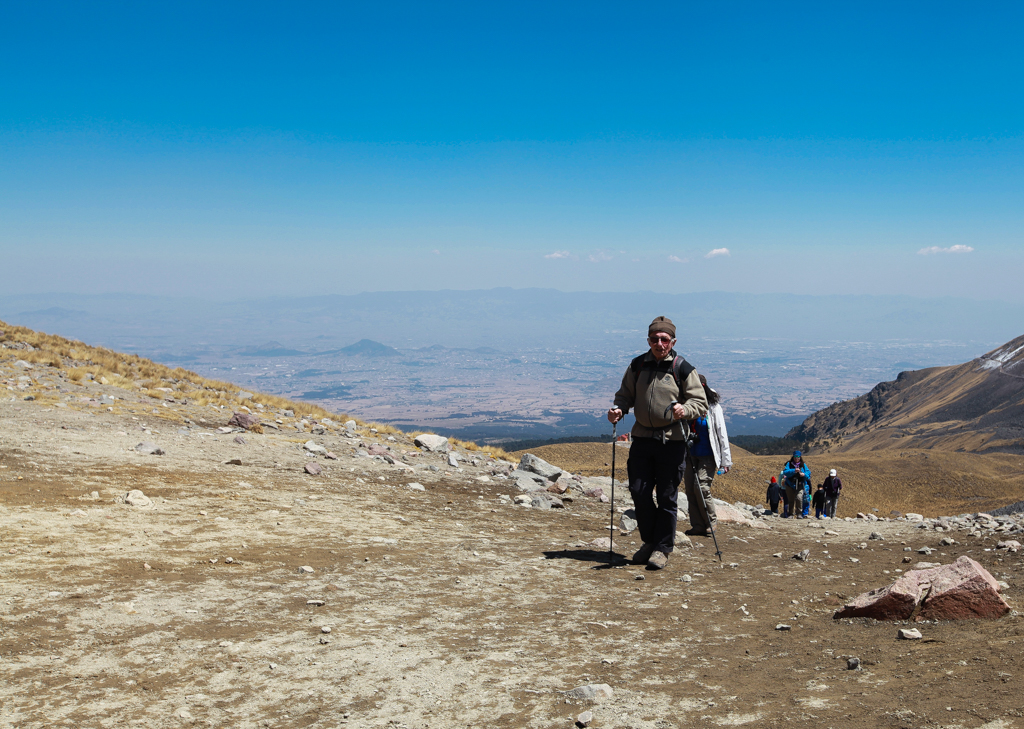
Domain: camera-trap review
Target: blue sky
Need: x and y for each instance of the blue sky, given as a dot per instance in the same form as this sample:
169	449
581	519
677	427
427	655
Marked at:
229	149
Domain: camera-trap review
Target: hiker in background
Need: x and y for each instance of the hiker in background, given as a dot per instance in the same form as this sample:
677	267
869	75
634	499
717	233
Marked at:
819	501
832	488
774	495
665	391
794	475
709	454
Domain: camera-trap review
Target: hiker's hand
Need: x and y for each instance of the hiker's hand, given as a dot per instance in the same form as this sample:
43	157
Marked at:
678	412
726	469
614	415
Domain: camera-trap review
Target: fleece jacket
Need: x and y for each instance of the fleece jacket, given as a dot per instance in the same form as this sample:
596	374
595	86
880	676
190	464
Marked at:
648	393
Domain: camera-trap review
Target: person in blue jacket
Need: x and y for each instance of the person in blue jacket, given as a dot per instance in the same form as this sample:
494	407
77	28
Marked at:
796	477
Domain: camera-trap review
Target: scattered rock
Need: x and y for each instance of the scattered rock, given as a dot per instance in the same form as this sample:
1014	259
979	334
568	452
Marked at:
585	718
305	570
958	591
852	664
927	565
431	442
783	626
591	692
1010	545
248	421
239	440
243	395
415	486
947	542
149	449
532	463
601	543
325	629
594	492
802	556
627	522
914	517
909	634
313	469
314	448
453	460
376	449
876	535
137	498
544	500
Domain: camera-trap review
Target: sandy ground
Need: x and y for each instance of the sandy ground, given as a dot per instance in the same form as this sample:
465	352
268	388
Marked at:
447	607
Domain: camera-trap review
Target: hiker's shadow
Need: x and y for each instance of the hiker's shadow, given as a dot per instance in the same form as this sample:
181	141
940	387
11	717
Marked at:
604	560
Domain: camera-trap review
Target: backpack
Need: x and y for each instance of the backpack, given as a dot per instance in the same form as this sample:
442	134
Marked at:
681	369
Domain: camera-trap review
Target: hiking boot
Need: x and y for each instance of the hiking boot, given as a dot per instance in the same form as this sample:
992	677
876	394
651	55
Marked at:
691	532
643	554
658	560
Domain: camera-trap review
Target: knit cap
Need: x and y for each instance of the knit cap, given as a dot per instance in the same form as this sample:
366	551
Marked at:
662	324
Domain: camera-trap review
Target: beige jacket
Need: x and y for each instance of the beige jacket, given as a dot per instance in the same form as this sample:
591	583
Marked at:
649	393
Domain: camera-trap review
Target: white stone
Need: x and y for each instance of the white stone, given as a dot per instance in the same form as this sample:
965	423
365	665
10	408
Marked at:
306	570
137	498
909	634
431	442
416	486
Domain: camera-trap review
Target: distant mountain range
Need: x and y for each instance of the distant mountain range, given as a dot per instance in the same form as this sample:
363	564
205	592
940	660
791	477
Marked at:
977	406
504	318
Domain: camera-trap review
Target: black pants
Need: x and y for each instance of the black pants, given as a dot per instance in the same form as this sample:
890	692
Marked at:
655	470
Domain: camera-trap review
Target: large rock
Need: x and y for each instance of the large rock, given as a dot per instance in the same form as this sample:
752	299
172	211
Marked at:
315	448
731	515
530	462
958	591
247	421
431	442
528	482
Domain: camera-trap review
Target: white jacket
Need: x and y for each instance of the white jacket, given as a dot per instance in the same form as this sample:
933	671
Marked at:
719	436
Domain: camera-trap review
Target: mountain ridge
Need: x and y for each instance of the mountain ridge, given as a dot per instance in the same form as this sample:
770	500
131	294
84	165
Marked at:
977	406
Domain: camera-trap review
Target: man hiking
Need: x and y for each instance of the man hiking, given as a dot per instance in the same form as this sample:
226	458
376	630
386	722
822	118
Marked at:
664	391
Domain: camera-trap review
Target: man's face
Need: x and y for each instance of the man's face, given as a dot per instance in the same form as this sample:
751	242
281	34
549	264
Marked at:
661	344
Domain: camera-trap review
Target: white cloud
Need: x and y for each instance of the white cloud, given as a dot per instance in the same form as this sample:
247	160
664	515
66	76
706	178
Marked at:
717	252
436	252
677	259
599	257
558	254
930	250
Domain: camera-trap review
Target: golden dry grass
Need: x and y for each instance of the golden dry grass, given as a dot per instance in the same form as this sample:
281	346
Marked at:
931	482
129	371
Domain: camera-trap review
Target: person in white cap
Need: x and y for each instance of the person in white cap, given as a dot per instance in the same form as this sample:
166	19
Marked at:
832	488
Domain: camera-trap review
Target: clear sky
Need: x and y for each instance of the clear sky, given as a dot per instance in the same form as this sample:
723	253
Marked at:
224	149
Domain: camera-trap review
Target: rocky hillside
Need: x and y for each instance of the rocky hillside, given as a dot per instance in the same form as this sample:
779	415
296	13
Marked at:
977	406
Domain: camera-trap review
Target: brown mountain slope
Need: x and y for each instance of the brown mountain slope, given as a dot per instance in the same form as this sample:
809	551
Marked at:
977	406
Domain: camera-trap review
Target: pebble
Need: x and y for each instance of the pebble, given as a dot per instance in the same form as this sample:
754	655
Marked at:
585	718
802	556
316	603
273	666
909	634
229	560
313	469
686	578
416	486
306	570
852	664
325	629
783	626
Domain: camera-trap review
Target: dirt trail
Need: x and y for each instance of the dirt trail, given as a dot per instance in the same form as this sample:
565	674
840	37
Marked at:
447	607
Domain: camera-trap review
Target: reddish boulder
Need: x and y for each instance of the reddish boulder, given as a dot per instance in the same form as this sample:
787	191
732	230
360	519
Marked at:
313	469
376	449
959	591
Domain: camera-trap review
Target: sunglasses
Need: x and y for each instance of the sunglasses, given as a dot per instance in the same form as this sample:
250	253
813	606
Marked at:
662	340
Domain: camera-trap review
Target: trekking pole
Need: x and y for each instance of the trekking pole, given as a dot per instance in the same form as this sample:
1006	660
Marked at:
611	509
696	481
711	526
